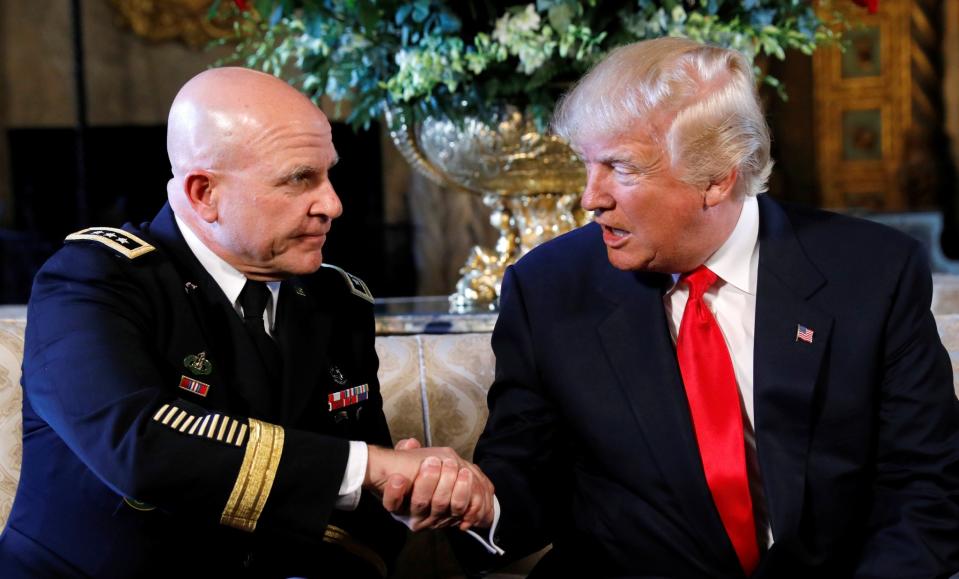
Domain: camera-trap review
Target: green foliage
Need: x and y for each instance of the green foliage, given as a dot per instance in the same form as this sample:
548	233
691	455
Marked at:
462	56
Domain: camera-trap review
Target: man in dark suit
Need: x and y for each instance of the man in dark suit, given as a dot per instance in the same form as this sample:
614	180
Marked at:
198	391
704	383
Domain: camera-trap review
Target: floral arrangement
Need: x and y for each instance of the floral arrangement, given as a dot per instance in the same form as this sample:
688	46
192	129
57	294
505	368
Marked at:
462	57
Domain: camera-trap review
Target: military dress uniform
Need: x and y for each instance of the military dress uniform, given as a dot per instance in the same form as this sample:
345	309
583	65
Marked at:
157	443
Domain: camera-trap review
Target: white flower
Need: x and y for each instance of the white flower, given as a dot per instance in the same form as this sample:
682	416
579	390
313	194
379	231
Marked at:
527	21
531	59
511	25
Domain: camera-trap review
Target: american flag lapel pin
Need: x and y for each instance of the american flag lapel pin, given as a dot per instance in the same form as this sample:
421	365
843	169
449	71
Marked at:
804	334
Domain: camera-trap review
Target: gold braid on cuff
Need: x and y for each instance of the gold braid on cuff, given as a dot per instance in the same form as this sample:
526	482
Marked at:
255	479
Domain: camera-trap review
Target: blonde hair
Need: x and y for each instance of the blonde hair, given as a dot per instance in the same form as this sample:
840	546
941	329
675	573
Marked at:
708	93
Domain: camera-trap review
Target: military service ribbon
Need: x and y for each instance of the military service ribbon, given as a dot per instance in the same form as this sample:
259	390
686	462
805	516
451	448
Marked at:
193	385
348	397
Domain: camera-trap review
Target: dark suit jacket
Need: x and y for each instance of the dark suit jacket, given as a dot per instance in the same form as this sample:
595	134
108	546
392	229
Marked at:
110	489
589	440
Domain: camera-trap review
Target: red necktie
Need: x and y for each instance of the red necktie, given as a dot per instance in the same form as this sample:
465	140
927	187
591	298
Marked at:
717	417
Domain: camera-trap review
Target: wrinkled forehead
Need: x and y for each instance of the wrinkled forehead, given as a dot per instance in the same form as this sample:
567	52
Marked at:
306	140
259	128
638	141
648	131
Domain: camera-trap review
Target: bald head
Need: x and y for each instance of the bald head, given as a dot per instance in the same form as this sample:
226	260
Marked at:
221	112
250	157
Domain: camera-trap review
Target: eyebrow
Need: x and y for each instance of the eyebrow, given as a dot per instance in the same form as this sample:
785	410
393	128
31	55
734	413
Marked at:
642	163
301	171
614	159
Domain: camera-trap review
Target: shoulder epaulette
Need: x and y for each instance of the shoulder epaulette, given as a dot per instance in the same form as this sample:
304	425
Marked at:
357	286
123	242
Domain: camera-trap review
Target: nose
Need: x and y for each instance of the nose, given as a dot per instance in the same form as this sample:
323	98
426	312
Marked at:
326	203
594	198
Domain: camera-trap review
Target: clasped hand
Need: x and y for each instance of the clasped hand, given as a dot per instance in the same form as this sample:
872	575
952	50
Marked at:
433	487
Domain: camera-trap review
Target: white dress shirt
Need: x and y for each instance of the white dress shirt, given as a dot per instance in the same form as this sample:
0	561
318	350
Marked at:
231	281
732	300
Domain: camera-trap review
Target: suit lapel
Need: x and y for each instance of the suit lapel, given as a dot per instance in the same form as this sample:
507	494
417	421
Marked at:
635	336
785	368
303	331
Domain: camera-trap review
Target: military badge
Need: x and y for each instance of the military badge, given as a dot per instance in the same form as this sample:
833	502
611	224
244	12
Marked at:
357	286
337	375
123	242
198	364
348	397
195	386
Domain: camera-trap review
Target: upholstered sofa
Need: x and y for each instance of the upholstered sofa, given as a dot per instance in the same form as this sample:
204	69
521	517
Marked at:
434	388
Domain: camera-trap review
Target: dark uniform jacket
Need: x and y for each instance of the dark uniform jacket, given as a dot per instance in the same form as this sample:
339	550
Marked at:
590	444
155	442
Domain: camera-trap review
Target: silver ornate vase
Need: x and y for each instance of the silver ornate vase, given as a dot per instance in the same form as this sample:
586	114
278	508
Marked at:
530	181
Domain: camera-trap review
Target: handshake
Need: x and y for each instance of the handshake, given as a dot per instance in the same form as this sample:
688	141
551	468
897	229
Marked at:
431	487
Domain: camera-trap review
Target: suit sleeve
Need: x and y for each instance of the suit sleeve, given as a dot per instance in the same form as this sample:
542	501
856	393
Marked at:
92	372
913	526
521	446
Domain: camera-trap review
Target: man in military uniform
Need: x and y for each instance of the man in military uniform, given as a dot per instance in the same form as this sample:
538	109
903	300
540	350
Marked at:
199	391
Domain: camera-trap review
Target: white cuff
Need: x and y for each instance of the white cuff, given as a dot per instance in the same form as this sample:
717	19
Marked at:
488	543
352	486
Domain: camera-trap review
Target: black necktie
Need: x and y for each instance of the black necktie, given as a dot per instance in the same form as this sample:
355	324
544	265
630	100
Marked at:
253	300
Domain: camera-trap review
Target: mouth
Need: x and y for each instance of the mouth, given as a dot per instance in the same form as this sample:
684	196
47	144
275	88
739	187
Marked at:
314	234
615	231
312	238
615	237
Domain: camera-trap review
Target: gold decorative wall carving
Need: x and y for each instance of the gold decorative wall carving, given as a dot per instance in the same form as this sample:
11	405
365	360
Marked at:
863	109
879	110
185	20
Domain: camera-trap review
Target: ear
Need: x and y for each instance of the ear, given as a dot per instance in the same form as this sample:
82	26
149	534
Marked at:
721	190
200	190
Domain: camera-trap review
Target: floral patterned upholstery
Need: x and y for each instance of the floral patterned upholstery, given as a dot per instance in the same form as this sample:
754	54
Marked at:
400	384
458	373
11	427
949	332
451	373
945	294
